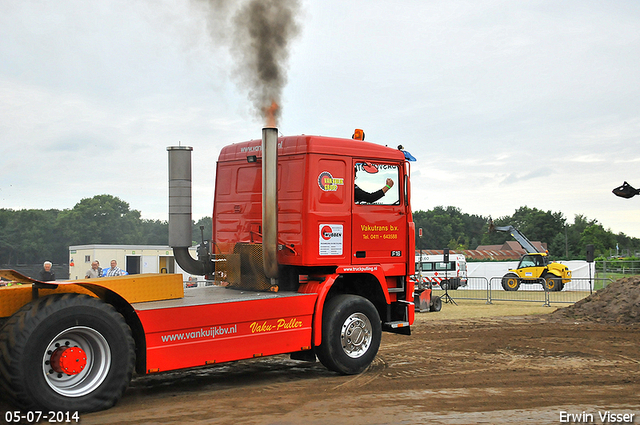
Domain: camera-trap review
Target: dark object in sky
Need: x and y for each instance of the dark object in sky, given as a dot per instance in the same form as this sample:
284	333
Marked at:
626	191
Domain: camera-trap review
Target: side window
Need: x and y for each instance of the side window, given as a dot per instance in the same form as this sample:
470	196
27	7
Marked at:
442	266
527	261
372	184
427	267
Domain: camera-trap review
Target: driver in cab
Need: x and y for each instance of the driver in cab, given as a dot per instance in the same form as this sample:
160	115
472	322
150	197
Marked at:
362	195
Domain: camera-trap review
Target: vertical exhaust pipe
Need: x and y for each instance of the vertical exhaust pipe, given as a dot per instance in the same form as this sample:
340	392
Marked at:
180	196
270	201
180	210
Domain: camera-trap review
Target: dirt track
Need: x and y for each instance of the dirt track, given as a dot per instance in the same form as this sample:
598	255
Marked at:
504	370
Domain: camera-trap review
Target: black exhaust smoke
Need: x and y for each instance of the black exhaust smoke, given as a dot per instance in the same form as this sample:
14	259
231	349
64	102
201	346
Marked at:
260	36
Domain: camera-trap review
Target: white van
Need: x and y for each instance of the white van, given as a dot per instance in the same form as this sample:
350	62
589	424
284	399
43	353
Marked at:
435	271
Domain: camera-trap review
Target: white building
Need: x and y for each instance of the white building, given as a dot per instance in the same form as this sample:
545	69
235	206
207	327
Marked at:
135	259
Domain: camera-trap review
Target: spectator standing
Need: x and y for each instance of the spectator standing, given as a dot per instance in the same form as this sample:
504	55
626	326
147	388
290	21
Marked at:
93	272
99	268
46	274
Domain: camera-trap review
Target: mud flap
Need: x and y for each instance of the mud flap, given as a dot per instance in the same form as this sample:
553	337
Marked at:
394	324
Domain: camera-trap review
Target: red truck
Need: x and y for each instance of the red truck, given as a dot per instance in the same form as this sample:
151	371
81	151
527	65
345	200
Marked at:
298	266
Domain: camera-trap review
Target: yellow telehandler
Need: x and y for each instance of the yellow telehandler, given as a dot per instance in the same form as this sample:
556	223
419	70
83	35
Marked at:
534	266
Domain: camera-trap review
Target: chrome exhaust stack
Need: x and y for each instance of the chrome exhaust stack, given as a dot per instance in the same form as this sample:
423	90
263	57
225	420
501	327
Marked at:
180	212
270	202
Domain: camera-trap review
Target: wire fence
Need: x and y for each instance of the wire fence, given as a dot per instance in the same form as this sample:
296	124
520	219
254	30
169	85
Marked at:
537	291
491	289
617	268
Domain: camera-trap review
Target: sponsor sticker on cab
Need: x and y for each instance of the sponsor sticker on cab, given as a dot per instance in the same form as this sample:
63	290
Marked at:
328	183
331	239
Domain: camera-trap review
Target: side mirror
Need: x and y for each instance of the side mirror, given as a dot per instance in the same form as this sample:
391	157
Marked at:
369	168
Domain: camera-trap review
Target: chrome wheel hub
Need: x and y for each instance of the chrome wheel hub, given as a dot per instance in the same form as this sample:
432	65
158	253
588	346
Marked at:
355	335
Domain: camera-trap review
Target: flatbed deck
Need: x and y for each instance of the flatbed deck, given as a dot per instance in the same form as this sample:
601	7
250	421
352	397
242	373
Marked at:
213	324
207	295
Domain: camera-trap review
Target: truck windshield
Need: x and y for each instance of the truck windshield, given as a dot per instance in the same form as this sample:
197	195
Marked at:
368	185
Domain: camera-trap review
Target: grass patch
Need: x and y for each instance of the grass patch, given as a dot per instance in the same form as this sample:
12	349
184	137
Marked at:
477	309
609	276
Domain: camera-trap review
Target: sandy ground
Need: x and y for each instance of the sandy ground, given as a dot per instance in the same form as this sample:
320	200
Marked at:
507	370
473	363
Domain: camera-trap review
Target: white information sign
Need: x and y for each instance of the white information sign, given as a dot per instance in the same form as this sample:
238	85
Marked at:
331	239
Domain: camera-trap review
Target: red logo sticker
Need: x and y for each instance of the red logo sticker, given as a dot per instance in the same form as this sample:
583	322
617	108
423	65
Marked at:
326	233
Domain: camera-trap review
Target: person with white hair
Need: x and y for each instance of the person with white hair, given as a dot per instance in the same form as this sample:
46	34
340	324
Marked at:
94	271
46	274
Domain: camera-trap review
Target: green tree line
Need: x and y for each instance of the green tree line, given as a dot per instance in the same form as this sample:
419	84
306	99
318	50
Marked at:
32	236
448	227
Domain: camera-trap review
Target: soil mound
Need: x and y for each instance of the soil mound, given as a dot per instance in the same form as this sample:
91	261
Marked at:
619	302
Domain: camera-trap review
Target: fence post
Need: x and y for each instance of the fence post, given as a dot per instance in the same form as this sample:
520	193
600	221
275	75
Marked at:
488	290
547	302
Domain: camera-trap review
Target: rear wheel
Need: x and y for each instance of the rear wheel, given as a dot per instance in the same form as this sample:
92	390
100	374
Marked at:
553	282
510	282
66	352
351	333
436	304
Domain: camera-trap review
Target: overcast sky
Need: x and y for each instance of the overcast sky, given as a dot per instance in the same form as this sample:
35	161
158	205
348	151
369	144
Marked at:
504	103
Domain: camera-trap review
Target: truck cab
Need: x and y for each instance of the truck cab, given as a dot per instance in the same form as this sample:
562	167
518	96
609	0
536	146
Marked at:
323	229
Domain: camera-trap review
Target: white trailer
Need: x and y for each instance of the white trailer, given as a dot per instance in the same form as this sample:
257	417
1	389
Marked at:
433	270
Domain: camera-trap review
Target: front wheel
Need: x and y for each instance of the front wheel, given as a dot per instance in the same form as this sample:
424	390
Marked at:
66	352
351	334
510	282
553	282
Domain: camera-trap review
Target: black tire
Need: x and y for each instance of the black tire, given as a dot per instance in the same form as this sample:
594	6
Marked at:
552	282
510	282
444	285
436	304
351	334
85	340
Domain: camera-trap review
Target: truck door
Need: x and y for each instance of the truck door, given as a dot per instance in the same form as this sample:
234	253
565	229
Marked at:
379	216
